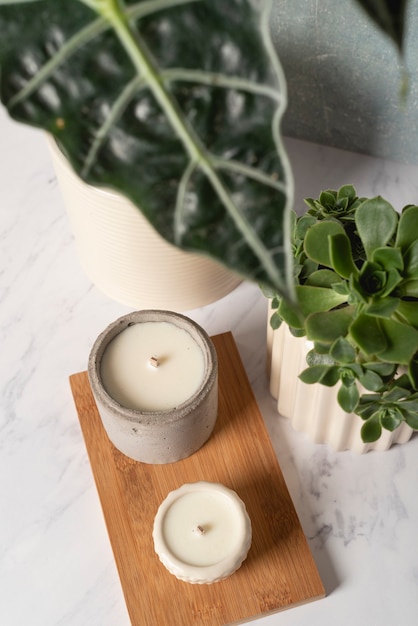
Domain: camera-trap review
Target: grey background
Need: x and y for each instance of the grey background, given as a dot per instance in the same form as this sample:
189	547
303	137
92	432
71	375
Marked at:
344	78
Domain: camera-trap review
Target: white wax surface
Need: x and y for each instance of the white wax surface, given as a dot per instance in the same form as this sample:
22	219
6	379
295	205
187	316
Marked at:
216	514
131	380
202	532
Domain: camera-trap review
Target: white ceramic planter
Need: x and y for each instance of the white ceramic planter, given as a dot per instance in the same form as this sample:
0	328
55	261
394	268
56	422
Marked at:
124	256
313	409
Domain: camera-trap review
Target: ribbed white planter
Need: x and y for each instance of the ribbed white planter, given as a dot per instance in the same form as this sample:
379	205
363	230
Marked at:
126	259
313	409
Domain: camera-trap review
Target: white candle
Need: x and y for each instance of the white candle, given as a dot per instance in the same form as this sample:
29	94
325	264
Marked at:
154	378
202	532
152	366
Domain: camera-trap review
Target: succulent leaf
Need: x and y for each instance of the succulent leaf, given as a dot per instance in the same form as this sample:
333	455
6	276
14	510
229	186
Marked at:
341	255
371	430
317	241
327	327
388	258
411	261
348	397
383	307
376	222
371	380
367	333
402	342
408	311
342	350
411	418
322	278
314	299
313	374
407	231
391	418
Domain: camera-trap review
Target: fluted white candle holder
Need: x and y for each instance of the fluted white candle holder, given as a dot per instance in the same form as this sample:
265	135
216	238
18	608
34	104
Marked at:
202	532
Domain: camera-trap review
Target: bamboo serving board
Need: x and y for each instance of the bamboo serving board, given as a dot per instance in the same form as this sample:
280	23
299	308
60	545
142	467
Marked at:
279	571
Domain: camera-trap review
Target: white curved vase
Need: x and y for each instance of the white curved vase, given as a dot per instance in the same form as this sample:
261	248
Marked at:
126	258
314	409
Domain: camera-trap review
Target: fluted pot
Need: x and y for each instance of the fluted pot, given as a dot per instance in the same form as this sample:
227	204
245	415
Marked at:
314	409
126	258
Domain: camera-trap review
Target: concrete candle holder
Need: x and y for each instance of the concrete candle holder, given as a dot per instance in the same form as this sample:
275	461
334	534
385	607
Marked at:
157	432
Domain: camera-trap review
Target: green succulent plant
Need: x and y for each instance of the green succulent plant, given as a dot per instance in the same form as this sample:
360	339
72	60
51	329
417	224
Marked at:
356	284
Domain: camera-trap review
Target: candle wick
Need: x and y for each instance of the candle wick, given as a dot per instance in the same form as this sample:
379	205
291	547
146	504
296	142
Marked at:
154	361
200	530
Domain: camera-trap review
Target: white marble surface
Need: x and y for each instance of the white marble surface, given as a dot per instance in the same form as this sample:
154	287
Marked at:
359	513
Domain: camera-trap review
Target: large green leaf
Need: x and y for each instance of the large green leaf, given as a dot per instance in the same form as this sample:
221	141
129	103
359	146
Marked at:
175	103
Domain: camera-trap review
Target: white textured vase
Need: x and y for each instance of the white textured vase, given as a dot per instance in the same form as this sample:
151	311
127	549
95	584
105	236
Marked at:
126	258
314	409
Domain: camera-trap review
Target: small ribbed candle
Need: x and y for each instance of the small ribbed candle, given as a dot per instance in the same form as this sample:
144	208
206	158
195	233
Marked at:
202	532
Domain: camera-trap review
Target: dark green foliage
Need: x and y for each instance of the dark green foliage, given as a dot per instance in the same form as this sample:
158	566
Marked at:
174	103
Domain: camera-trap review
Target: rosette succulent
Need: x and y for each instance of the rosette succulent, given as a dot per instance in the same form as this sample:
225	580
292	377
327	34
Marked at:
356	284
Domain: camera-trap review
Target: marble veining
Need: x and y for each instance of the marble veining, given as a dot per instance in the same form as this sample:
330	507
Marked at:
359	513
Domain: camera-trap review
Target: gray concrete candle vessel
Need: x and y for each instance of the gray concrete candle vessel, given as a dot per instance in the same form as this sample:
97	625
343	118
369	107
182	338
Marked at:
171	359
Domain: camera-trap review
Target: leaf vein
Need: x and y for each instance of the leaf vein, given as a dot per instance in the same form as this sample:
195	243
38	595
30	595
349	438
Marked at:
115	113
217	79
83	36
250	172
